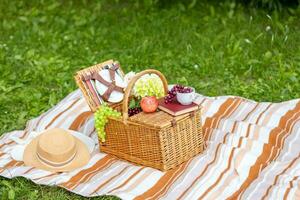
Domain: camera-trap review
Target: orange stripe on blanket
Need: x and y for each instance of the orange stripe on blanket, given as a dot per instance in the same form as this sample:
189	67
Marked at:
39	121
244	119
76	178
167	178
138	181
80	120
277	176
227	108
58	115
220	177
12	163
287	192
255	107
127	180
29	170
91	174
94	129
201	174
228	111
12	142
229	163
260	115
165	189
46	176
209	121
260	163
109	180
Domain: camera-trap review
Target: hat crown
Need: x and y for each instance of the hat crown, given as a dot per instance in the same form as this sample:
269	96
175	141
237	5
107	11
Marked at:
56	146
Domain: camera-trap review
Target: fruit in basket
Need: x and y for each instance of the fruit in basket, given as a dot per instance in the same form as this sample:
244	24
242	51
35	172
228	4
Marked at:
149	85
101	118
134	107
134	111
149	104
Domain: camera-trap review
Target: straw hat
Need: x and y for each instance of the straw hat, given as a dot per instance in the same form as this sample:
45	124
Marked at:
56	150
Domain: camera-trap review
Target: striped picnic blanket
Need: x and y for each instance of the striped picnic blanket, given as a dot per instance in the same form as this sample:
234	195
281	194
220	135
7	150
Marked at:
252	152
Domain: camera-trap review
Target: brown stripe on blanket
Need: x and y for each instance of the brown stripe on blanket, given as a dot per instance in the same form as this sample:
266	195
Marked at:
70	114
260	115
12	163
229	108
127	180
46	176
209	120
230	177
230	161
76	178
261	160
167	179
270	150
12	142
287	192
164	190
277	176
224	110
205	169
109	180
80	120
29	170
62	112
94	129
90	175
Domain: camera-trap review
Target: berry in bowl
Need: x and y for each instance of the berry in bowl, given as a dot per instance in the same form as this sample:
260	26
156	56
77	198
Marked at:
185	95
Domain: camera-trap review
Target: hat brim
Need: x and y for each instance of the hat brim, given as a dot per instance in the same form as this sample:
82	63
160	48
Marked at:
81	158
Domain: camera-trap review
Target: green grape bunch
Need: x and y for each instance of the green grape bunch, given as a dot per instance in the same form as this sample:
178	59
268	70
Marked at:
149	85
101	118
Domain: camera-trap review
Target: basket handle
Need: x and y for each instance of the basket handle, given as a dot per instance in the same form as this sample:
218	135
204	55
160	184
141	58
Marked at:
131	84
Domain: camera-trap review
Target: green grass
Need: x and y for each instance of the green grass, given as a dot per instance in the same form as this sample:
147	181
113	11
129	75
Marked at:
219	48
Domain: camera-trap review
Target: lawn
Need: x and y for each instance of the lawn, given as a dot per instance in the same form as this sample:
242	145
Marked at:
220	48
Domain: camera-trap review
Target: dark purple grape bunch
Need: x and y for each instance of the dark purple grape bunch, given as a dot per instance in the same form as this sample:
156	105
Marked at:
134	111
186	90
172	93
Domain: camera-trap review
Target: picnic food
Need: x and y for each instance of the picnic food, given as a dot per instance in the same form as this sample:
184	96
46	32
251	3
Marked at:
186	96
156	139
149	104
172	93
134	111
101	119
148	85
179	89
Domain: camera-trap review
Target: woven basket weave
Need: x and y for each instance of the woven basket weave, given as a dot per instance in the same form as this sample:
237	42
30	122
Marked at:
157	140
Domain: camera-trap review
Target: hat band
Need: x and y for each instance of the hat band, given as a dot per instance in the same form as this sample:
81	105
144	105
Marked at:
55	164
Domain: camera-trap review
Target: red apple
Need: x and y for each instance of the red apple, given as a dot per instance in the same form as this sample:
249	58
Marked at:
149	104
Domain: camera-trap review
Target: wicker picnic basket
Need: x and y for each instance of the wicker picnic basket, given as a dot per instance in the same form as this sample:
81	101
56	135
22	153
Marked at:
157	140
